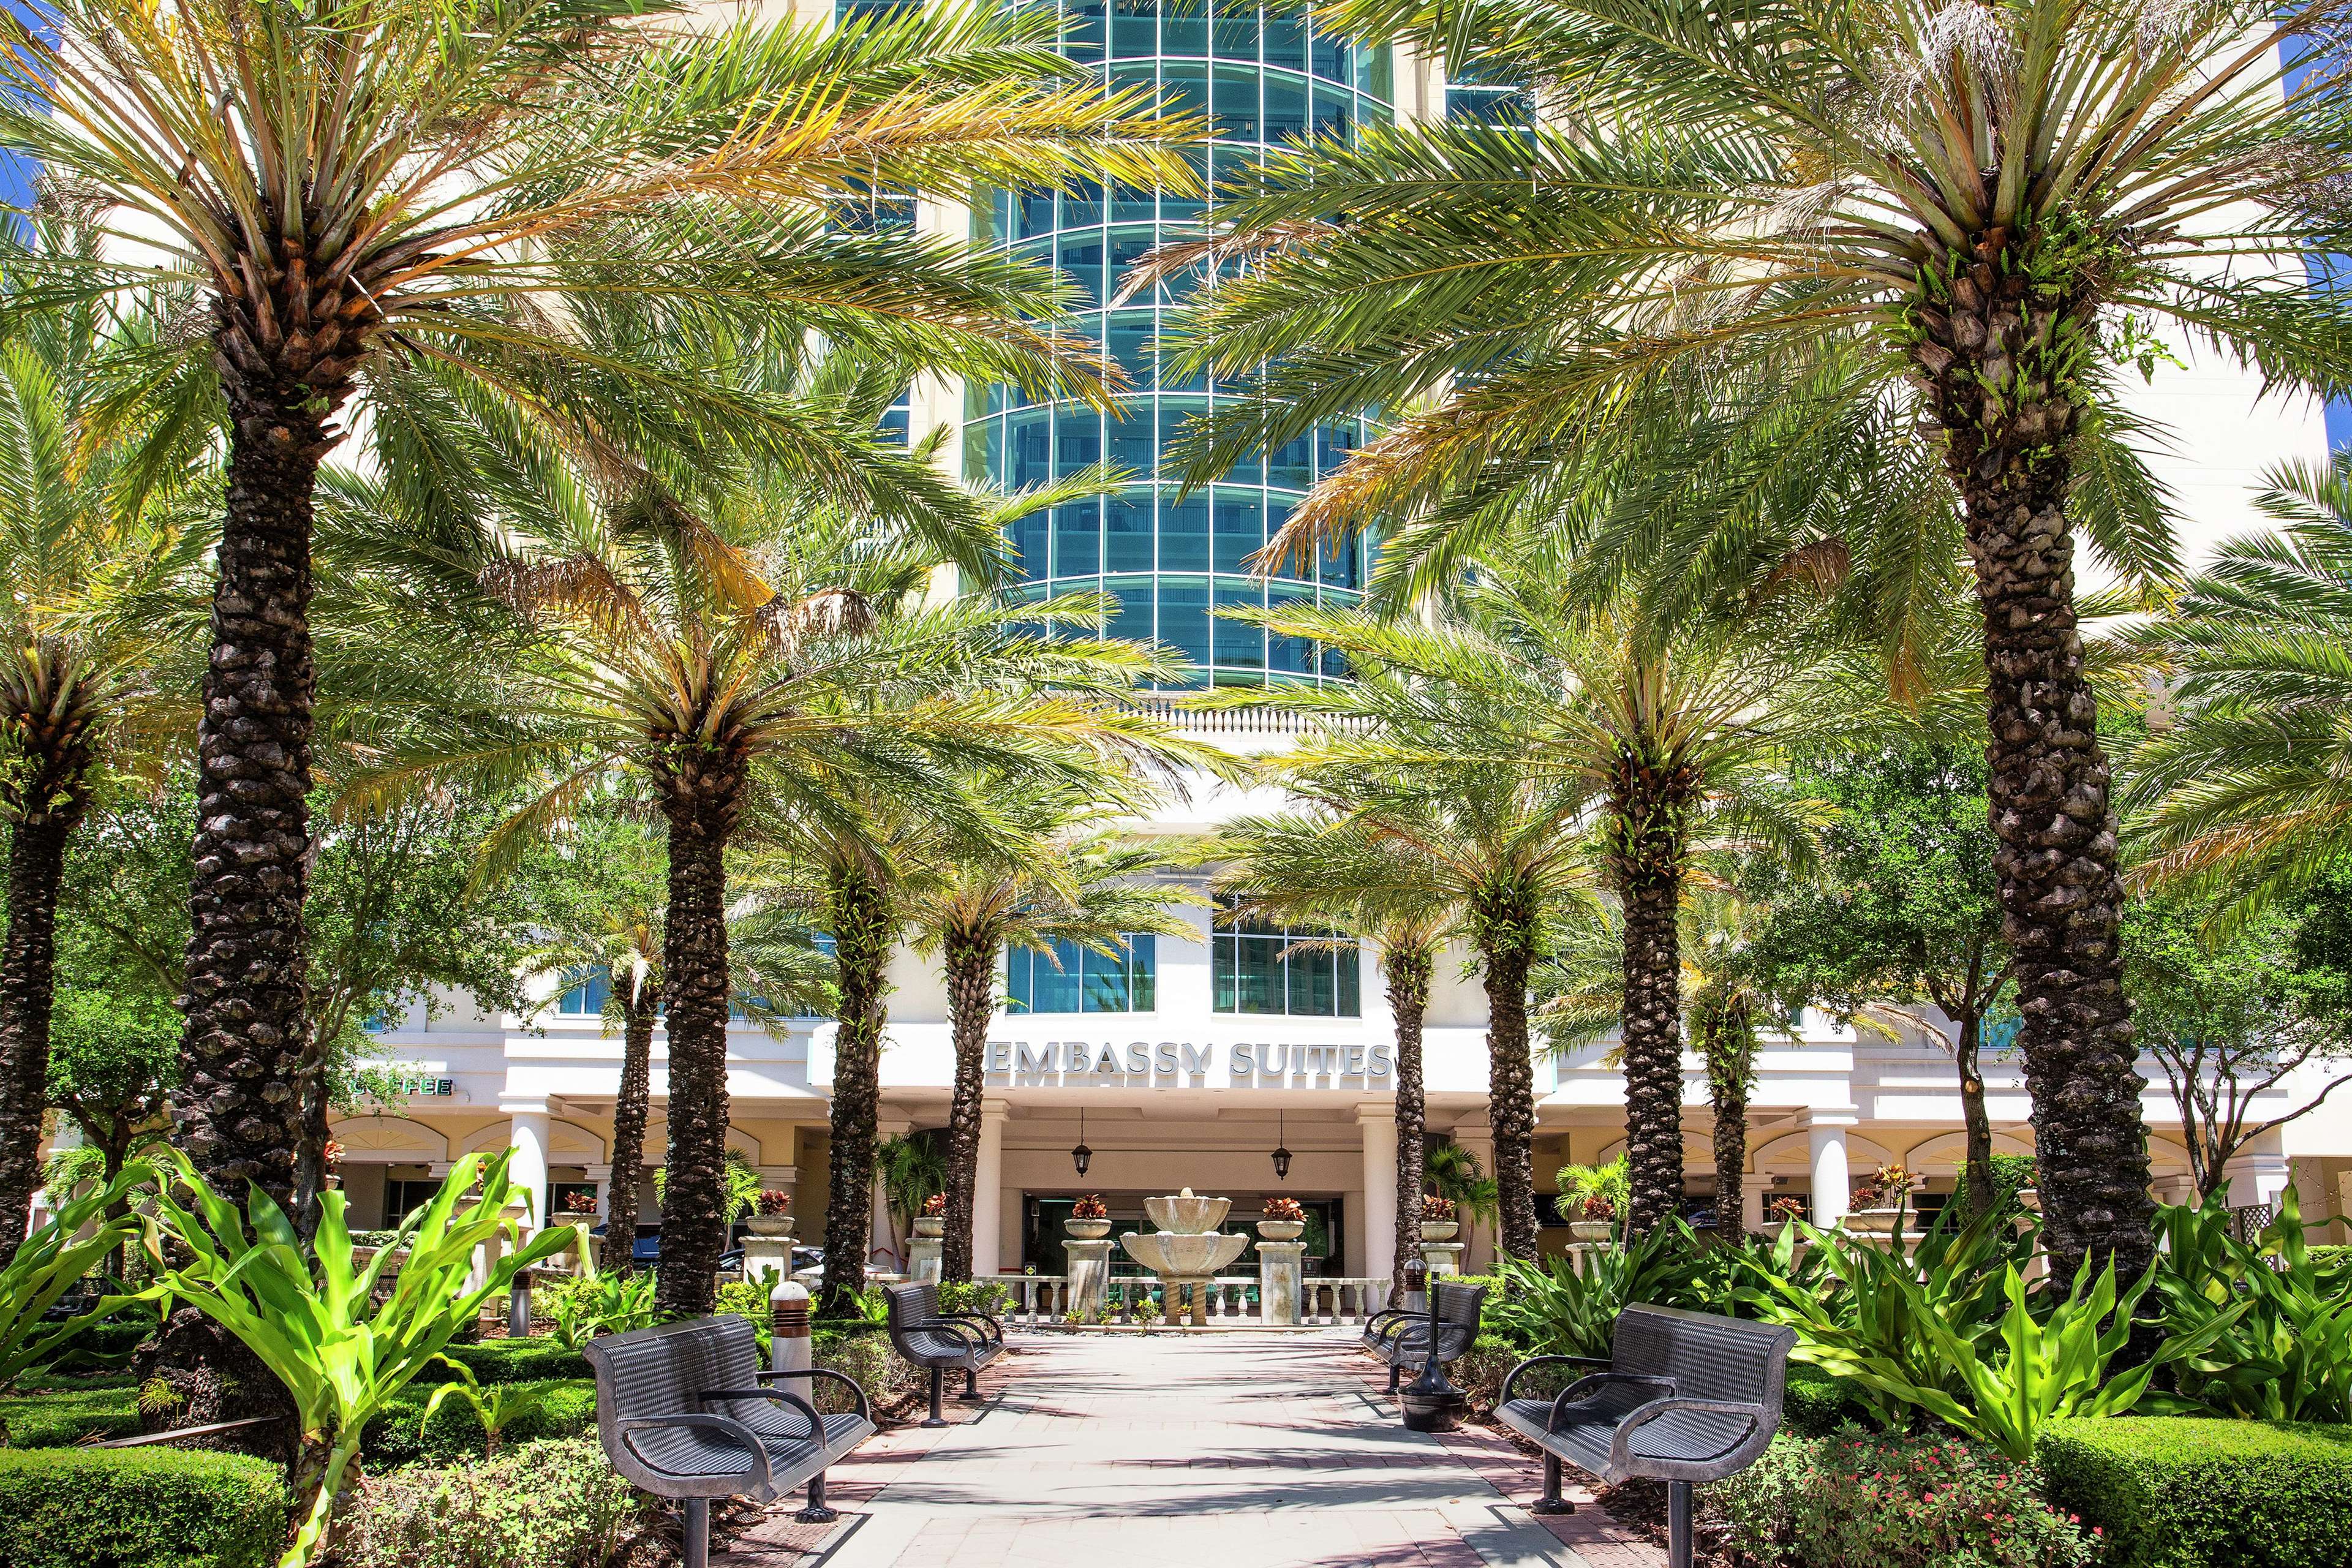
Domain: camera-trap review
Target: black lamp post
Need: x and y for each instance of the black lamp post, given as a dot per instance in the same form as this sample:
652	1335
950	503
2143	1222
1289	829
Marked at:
1281	1153
1082	1156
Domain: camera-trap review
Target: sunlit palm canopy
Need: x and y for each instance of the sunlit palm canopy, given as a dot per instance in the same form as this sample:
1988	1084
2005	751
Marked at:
1739	207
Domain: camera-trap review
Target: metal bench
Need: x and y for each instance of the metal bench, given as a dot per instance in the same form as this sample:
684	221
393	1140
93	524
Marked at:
941	1342
1686	1396
684	1412
1402	1337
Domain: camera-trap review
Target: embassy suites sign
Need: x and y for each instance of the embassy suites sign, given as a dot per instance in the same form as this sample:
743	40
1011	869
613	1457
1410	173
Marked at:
1183	1064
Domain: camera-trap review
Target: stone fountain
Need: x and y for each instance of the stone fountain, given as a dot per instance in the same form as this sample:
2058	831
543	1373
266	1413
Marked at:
1186	1251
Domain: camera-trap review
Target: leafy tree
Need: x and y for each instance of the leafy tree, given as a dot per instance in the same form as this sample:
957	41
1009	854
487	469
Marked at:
1718	250
420	199
1065	884
1316	867
2233	1013
1904	910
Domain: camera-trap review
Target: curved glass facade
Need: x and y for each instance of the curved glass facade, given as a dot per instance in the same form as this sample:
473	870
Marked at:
1263	77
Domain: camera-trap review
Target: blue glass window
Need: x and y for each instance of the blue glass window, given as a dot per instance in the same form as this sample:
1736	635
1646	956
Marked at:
1074	979
1255	967
586	991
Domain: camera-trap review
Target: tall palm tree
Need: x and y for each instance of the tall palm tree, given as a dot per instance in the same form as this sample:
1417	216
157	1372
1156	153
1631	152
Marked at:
352	195
90	547
2244	790
1062	884
1326	867
1728	1005
603	915
1965	217
1657	740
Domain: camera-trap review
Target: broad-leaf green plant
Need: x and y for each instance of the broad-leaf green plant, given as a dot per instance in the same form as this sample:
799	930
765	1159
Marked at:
2285	1350
497	1407
601	1304
314	1321
50	1262
1552	1309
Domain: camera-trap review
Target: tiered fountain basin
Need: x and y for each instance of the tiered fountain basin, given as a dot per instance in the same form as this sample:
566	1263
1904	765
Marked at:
1187	1251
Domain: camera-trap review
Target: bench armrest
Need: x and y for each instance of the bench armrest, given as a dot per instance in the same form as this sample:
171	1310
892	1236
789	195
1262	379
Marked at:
1574	1394
977	1319
816	1426
764	1476
1642	1415
864	1408
1505	1397
971	1336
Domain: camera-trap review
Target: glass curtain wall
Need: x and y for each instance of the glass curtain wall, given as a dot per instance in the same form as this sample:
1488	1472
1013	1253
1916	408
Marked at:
1263	77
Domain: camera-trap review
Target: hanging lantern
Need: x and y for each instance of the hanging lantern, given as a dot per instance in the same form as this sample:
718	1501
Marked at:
1081	1156
1281	1148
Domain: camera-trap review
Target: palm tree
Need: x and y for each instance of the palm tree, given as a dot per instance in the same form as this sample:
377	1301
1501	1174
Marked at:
1064	885
88	547
602	914
2243	791
353	198
1659	740
1727	1006
1961	218
1328	868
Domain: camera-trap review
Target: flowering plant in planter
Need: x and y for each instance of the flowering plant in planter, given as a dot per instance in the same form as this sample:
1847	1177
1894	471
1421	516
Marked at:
935	1205
1596	1206
579	1202
1436	1210
1091	1207
1887	1186
774	1200
1785	1209
1286	1210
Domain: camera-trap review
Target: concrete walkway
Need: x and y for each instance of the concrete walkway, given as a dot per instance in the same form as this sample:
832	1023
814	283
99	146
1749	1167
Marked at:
1229	1450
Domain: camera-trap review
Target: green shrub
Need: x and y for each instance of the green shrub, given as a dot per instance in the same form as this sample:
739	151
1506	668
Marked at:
564	1408
1863	1501
1818	1403
1480	1370
533	1360
2277	1326
868	1358
986	1297
2188	1492
138	1508
2334	1261
59	1417
548	1505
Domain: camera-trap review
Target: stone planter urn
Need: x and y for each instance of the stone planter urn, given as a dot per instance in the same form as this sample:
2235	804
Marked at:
1086	1229
1592	1229
769	1224
930	1225
1281	1230
2029	1200
1873	1221
1439	1229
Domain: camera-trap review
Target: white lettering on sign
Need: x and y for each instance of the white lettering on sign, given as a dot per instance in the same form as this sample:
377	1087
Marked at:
1253	1064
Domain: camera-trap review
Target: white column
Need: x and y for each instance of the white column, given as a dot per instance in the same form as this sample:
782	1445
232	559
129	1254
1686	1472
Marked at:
1371	1252
1833	1182
1752	1204
988	1191
527	1166
880	1237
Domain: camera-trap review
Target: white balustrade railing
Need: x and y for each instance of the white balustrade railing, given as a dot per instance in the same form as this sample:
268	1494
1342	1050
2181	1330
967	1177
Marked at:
1035	1300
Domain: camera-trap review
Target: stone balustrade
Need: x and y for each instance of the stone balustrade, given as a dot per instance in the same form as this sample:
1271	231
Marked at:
1035	1301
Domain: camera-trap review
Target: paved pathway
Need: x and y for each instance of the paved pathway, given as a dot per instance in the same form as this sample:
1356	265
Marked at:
1229	1450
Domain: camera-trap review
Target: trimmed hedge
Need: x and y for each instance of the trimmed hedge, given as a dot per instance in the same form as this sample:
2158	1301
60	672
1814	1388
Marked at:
2187	1492
455	1431
1818	1403
138	1508
60	1417
533	1360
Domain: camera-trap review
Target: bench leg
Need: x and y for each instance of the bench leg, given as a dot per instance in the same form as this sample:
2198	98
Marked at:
1678	1524
816	1512
697	1523
971	1394
938	1377
1551	1502
1396	1371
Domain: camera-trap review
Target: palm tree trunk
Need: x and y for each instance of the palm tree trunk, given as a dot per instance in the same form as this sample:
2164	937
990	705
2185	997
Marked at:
861	930
972	994
2050	806
1653	1039
1503	938
1974	1118
701	798
1408	983
1728	1061
238	1107
628	1151
36	858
